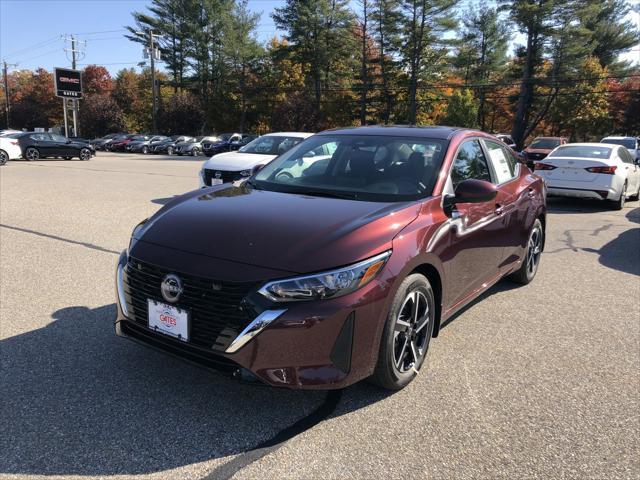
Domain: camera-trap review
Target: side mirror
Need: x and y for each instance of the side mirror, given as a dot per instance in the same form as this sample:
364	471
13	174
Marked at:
257	168
637	159
471	191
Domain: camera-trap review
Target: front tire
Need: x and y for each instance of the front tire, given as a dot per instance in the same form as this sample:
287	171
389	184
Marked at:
32	154
169	150
195	152
407	333
4	157
85	154
529	266
145	150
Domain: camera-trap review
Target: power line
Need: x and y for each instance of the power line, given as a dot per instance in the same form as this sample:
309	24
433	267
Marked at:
35	46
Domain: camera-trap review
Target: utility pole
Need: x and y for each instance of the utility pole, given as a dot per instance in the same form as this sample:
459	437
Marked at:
6	90
153	56
75	53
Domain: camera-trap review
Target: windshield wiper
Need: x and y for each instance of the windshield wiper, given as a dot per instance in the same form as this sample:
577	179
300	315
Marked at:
328	194
252	185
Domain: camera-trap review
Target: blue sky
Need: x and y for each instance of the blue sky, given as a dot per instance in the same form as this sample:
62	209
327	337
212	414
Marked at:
31	31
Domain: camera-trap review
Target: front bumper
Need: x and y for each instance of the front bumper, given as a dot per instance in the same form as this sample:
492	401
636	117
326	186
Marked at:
327	344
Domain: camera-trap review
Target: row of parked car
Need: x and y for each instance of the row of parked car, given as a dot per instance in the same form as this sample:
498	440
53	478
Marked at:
172	145
35	145
609	170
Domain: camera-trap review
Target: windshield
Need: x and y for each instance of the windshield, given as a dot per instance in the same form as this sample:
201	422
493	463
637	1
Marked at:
545	143
225	136
194	140
140	137
629	143
271	145
581	151
374	168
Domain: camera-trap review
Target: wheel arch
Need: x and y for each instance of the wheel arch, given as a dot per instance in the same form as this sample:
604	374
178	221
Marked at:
433	275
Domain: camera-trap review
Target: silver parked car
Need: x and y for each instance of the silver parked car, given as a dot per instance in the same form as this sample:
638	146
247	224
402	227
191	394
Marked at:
193	146
630	143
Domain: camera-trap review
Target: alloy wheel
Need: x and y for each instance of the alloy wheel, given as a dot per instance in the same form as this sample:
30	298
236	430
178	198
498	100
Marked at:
410	333
85	154
4	157
534	250
32	154
169	151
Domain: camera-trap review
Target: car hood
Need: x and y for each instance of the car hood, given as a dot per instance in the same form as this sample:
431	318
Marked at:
235	161
288	232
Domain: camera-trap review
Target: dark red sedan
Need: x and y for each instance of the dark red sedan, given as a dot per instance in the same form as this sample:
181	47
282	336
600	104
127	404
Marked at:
342	269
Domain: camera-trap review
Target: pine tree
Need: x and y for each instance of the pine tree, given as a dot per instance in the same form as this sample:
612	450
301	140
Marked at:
482	52
319	35
424	23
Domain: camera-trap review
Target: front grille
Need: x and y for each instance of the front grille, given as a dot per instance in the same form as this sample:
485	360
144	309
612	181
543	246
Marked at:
224	175
217	311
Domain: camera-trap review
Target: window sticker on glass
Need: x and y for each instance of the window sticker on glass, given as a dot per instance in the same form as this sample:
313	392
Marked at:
500	164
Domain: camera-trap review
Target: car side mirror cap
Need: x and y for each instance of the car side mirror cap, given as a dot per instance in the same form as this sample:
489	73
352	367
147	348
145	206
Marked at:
257	168
472	191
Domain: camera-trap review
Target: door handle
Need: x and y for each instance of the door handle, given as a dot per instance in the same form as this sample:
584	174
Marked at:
531	192
499	209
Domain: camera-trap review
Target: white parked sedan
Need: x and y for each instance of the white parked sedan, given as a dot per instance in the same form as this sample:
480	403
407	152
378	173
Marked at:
591	170
9	148
232	166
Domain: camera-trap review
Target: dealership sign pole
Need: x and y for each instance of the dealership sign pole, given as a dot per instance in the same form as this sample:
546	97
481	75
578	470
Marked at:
68	85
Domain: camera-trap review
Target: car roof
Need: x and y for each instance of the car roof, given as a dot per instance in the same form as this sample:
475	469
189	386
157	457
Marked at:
288	134
619	138
437	132
587	144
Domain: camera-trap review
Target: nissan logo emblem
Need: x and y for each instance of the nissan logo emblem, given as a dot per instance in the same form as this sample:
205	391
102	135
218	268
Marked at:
171	288
218	174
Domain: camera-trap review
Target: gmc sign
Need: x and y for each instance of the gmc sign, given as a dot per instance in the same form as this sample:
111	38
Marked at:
68	83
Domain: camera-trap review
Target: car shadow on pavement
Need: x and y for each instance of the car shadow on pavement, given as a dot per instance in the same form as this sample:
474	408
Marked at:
558	205
77	400
503	285
622	253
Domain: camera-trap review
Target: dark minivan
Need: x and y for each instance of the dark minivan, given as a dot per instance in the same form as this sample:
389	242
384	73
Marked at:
340	271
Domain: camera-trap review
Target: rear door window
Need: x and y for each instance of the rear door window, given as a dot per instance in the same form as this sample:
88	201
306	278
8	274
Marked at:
502	161
625	156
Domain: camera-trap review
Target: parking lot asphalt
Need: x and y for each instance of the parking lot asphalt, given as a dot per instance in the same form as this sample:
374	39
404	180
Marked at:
535	381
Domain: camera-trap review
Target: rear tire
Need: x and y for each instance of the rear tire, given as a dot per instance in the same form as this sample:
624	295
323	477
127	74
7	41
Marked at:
32	154
407	333
4	157
169	150
529	267
195	152
619	204
145	149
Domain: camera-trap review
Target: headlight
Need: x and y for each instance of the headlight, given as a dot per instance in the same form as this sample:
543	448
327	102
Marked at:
331	284
245	173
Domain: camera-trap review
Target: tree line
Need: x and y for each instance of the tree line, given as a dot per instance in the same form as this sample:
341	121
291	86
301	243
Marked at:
344	63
